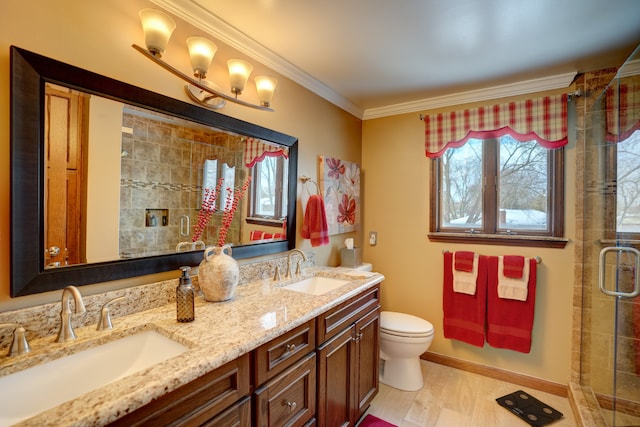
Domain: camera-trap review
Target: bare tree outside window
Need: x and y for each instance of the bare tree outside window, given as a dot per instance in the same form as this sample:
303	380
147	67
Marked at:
499	186
628	185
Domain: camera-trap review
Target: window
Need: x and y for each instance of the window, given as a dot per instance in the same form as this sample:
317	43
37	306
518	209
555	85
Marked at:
268	195
624	171
498	187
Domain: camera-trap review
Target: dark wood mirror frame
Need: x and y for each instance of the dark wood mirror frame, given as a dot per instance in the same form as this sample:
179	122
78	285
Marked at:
29	73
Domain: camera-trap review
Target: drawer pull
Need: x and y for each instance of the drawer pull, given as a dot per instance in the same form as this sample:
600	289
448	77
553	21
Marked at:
292	406
290	348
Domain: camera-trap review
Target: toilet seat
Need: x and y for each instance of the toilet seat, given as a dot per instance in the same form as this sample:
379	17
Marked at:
404	325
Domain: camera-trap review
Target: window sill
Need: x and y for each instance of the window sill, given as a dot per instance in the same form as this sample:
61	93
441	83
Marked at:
264	221
501	240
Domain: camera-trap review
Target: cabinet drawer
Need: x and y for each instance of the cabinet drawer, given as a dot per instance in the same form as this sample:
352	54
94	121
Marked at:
290	398
342	316
280	353
196	402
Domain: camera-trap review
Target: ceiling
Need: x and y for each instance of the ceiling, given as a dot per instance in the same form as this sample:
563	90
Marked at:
381	57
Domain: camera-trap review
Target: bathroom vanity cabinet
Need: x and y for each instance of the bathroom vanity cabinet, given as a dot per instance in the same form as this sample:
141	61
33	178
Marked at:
323	372
220	397
348	364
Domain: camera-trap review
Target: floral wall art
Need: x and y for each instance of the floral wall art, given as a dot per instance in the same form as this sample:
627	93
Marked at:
340	187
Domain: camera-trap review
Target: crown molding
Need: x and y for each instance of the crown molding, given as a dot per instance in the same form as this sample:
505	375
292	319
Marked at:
559	81
191	12
194	14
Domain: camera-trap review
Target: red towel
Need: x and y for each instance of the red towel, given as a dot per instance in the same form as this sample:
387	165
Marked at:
315	226
509	321
463	261
464	314
513	266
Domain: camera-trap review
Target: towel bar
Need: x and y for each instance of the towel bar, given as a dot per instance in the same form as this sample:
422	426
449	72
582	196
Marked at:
537	258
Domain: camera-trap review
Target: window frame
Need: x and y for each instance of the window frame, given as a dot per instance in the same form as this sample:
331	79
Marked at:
280	191
490	233
611	197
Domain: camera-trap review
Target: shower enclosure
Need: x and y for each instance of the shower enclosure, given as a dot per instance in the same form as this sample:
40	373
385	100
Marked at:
610	341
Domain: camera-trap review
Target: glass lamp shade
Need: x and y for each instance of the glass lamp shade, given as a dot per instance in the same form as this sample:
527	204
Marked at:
157	27
201	51
265	87
239	71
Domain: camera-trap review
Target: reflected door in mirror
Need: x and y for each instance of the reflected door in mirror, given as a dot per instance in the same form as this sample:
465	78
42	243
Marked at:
65	142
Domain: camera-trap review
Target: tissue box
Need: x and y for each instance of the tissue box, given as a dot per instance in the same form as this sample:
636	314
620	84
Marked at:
350	257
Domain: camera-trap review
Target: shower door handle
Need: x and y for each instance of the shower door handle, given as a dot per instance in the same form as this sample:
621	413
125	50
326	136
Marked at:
185	226
602	275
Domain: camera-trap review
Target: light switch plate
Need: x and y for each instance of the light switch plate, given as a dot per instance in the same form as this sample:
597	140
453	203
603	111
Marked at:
373	238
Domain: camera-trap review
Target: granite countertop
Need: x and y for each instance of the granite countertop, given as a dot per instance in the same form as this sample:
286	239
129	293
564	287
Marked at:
221	332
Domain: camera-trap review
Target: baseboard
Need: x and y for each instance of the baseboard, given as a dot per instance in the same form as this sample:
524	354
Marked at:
498	374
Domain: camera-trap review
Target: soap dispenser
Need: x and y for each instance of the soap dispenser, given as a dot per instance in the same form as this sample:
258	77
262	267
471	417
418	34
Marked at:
185	298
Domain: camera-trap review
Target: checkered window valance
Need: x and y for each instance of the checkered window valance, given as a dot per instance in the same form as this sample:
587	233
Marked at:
255	151
543	119
623	110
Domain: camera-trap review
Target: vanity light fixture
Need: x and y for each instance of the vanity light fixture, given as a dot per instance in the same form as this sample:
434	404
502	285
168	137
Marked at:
158	27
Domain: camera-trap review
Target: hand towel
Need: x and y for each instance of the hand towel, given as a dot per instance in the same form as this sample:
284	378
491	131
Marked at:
463	261
466	282
464	314
509	321
513	288
315	225
513	266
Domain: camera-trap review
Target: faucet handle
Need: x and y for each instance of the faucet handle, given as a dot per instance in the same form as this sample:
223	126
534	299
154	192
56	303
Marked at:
276	274
299	267
105	315
19	345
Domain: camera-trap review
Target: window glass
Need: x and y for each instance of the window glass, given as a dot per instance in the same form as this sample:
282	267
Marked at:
628	185
461	186
268	195
523	181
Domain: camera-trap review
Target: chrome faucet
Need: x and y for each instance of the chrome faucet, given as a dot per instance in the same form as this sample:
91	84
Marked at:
19	345
298	270
66	330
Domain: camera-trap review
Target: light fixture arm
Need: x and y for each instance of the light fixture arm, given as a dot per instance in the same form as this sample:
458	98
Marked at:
195	82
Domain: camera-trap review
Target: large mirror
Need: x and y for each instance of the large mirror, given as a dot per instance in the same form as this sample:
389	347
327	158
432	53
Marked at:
111	181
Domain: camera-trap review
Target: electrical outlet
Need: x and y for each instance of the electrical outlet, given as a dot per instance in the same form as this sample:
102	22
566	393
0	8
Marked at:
373	238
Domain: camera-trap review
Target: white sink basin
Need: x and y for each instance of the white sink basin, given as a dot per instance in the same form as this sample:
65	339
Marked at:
31	391
316	285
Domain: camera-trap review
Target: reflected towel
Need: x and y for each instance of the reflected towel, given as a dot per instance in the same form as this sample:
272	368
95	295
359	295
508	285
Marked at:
315	225
462	281
513	288
464	314
510	321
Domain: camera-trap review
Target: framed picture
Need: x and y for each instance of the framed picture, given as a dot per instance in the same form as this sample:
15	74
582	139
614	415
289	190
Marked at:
340	187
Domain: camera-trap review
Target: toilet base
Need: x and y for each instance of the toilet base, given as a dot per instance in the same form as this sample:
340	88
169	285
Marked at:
403	374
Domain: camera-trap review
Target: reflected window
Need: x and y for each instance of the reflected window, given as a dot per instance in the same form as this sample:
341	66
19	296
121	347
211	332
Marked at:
268	194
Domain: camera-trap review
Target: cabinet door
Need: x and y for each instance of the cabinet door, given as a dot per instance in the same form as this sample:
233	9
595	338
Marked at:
336	380
290	398
368	366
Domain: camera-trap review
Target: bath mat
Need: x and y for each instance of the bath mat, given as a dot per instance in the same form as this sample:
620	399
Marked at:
529	409
371	421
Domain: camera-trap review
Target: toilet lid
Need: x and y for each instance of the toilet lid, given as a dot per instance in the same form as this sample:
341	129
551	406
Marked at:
404	324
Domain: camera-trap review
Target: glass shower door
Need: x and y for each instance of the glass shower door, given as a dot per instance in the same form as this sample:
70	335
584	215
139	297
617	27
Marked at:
610	355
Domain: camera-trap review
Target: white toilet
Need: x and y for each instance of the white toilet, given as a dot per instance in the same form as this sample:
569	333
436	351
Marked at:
403	338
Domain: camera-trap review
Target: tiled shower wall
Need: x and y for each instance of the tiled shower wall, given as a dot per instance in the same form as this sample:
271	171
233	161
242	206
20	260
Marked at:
162	169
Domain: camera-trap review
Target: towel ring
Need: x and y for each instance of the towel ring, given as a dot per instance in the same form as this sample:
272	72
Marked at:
305	180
